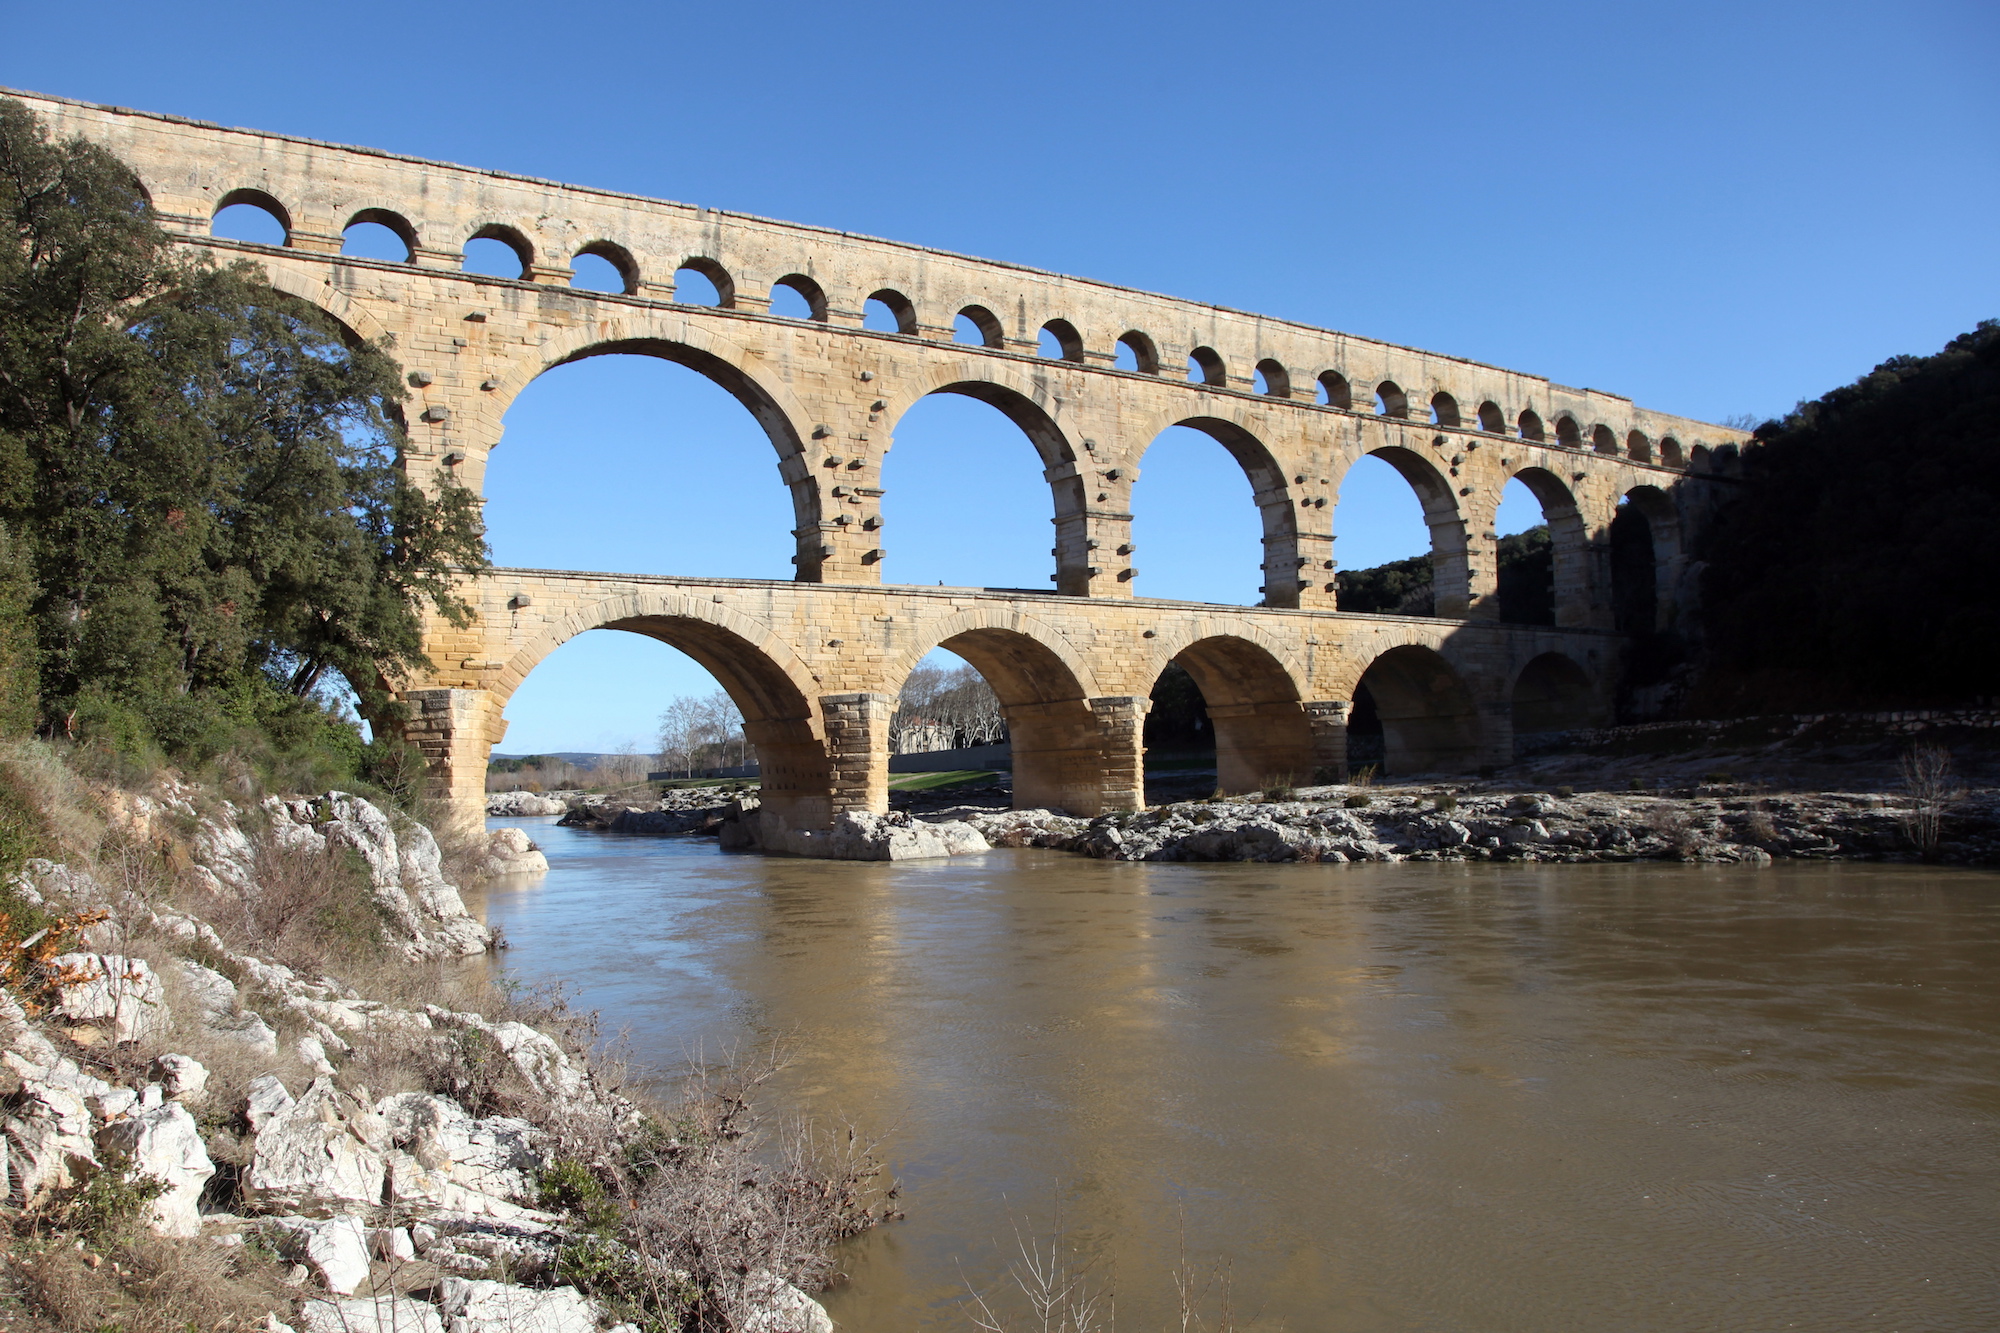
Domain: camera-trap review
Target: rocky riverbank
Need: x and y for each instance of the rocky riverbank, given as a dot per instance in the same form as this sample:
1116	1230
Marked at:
256	1038
1720	823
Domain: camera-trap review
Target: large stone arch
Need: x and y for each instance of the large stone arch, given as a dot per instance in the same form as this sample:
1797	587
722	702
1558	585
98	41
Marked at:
1272	493
1429	717
730	365
1553	692
325	296
1576	584
1044	690
1451	579
1663	523
765	677
1256	695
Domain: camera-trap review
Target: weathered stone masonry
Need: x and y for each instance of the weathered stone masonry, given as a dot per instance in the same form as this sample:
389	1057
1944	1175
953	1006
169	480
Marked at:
815	664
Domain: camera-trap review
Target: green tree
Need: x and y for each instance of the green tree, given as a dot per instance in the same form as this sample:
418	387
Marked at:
203	472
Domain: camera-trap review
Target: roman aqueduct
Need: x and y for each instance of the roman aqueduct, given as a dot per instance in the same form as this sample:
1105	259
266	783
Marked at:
816	663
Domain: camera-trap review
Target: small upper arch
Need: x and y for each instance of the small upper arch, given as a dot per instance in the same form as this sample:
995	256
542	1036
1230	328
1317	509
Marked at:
979	327
1491	420
262	203
1444	409
1603	439
1568	434
810	294
1144	355
1060	341
624	269
1670	452
1390	400
1273	379
393	222
1334	390
1205	367
1531	426
510	237
891	308
717	276
1639	447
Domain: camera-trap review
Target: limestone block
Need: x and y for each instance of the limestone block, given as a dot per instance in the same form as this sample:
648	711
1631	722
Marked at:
165	1144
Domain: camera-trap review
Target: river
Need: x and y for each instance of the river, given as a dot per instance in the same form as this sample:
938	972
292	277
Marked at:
1387	1097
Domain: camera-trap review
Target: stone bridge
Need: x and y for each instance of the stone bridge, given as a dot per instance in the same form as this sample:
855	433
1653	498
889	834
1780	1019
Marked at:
814	663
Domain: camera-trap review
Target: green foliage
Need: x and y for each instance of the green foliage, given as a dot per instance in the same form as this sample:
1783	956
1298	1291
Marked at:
1445	803
20	674
1525	577
24	832
1359	800
111	1204
568	1186
631	1289
1849	571
202	476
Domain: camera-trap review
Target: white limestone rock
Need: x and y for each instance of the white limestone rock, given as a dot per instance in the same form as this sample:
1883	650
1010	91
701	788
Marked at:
165	1143
515	804
510	851
771	1305
495	1156
181	1077
371	1314
855	836
324	1151
336	1248
217	999
499	1307
48	1138
124	993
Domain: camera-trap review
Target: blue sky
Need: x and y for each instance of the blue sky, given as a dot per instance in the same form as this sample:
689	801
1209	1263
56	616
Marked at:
1716	209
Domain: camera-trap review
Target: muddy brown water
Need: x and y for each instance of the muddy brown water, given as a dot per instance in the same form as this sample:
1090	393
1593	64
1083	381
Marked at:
1385	1097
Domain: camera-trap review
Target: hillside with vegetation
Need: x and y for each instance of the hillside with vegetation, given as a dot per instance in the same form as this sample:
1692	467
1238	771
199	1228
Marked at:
1850	571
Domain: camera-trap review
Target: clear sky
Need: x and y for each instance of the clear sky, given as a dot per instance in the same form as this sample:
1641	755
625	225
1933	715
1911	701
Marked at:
1715	209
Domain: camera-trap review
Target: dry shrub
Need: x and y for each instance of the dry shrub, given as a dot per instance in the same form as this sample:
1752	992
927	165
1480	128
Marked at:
1759	828
1674	828
151	1284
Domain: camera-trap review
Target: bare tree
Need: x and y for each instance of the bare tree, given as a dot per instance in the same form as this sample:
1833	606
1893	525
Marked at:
1928	778
942	709
703	733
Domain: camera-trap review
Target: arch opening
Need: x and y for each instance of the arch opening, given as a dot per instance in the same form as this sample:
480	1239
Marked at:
1031	700
1531	427
1413	714
1603	440
1634	578
1568	434
498	252
973	431
377	233
605	266
672	421
977	326
1551	695
702	281
1205	367
1135	352
1375	524
796	296
1549	575
888	311
1207	520
1272	379
1638	447
1230	698
1444	410
1391	401
1670	452
1491	420
1334	391
1059	341
1524	558
253	216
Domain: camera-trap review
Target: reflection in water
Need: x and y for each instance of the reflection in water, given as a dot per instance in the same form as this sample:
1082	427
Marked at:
1441	1097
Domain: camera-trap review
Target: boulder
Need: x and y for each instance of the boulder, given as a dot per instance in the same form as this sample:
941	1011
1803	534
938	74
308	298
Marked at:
509	851
499	1307
515	804
370	1314
771	1305
335	1248
855	836
165	1144
323	1152
181	1077
444	1160
48	1139
109	988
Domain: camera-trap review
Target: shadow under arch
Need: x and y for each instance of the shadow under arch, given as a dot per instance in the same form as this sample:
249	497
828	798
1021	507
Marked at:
763	406
1425	714
1569	546
1663	542
1551	694
1451	580
1263	736
1273	497
1058	751
765	678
